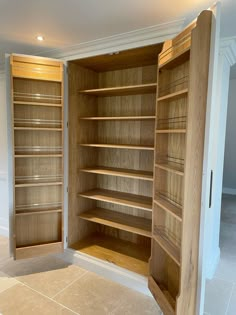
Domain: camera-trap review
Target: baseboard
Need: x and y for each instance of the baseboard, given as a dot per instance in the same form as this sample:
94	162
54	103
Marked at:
107	270
4	227
212	264
229	191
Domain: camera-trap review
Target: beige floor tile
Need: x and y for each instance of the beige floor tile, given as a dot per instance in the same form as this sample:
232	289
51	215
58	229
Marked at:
217	296
48	275
20	300
92	295
136	303
4	245
6	282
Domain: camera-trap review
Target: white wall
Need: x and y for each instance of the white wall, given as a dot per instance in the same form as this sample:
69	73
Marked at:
4	208
229	180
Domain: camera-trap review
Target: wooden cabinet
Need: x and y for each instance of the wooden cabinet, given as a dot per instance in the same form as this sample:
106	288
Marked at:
179	144
136	140
37	123
112	103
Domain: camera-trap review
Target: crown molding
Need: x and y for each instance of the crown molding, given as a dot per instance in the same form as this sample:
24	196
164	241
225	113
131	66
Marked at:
228	49
142	37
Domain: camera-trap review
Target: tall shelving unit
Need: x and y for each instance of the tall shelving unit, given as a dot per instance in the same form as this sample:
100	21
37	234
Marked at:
179	143
111	141
37	124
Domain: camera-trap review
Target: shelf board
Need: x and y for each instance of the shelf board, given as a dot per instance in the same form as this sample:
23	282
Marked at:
38	184
174	95
168	247
36	104
171	168
27	212
37	155
118	146
121	253
121	221
121	172
171	131
122	90
119	198
176	60
119	118
38	128
169	207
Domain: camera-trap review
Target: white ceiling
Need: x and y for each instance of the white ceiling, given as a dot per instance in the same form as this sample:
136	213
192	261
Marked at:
70	22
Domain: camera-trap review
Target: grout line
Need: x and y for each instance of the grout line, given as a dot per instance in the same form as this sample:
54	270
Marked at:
79	277
40	293
230	297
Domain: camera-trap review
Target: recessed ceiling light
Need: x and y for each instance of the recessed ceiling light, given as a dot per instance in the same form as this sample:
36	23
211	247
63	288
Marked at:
40	38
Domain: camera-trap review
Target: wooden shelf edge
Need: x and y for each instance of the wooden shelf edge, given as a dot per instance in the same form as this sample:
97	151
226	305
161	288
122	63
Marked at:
162	300
38	212
173	210
120	172
118	118
184	54
122	90
171	131
37	155
37	104
38	129
39	184
118	146
170	249
120	198
121	221
168	168
173	95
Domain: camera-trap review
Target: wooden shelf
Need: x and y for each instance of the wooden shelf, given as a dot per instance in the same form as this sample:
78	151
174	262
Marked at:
168	247
119	198
36	104
117	252
38	184
118	146
167	206
121	172
37	155
121	221
173	96
119	118
26	212
122	90
171	168
38	128
171	131
176	60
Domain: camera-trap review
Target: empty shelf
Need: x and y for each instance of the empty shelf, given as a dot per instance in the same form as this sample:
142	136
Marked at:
119	220
37	104
119	118
171	131
118	146
120	172
168	247
120	198
37	155
38	128
122	90
117	252
27	212
167	206
177	59
173	95
171	168
38	184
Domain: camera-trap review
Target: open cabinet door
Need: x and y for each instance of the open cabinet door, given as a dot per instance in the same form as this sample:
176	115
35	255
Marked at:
37	124
182	100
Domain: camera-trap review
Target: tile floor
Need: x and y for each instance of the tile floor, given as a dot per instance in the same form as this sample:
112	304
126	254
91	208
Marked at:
220	296
50	286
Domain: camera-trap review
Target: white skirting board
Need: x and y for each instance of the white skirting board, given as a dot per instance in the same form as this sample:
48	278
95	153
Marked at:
4	227
107	270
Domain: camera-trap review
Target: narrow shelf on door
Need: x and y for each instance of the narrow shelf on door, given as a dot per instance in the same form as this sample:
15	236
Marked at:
172	250
119	198
118	220
37	128
171	131
37	104
118	118
176	169
118	146
169	207
173	96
